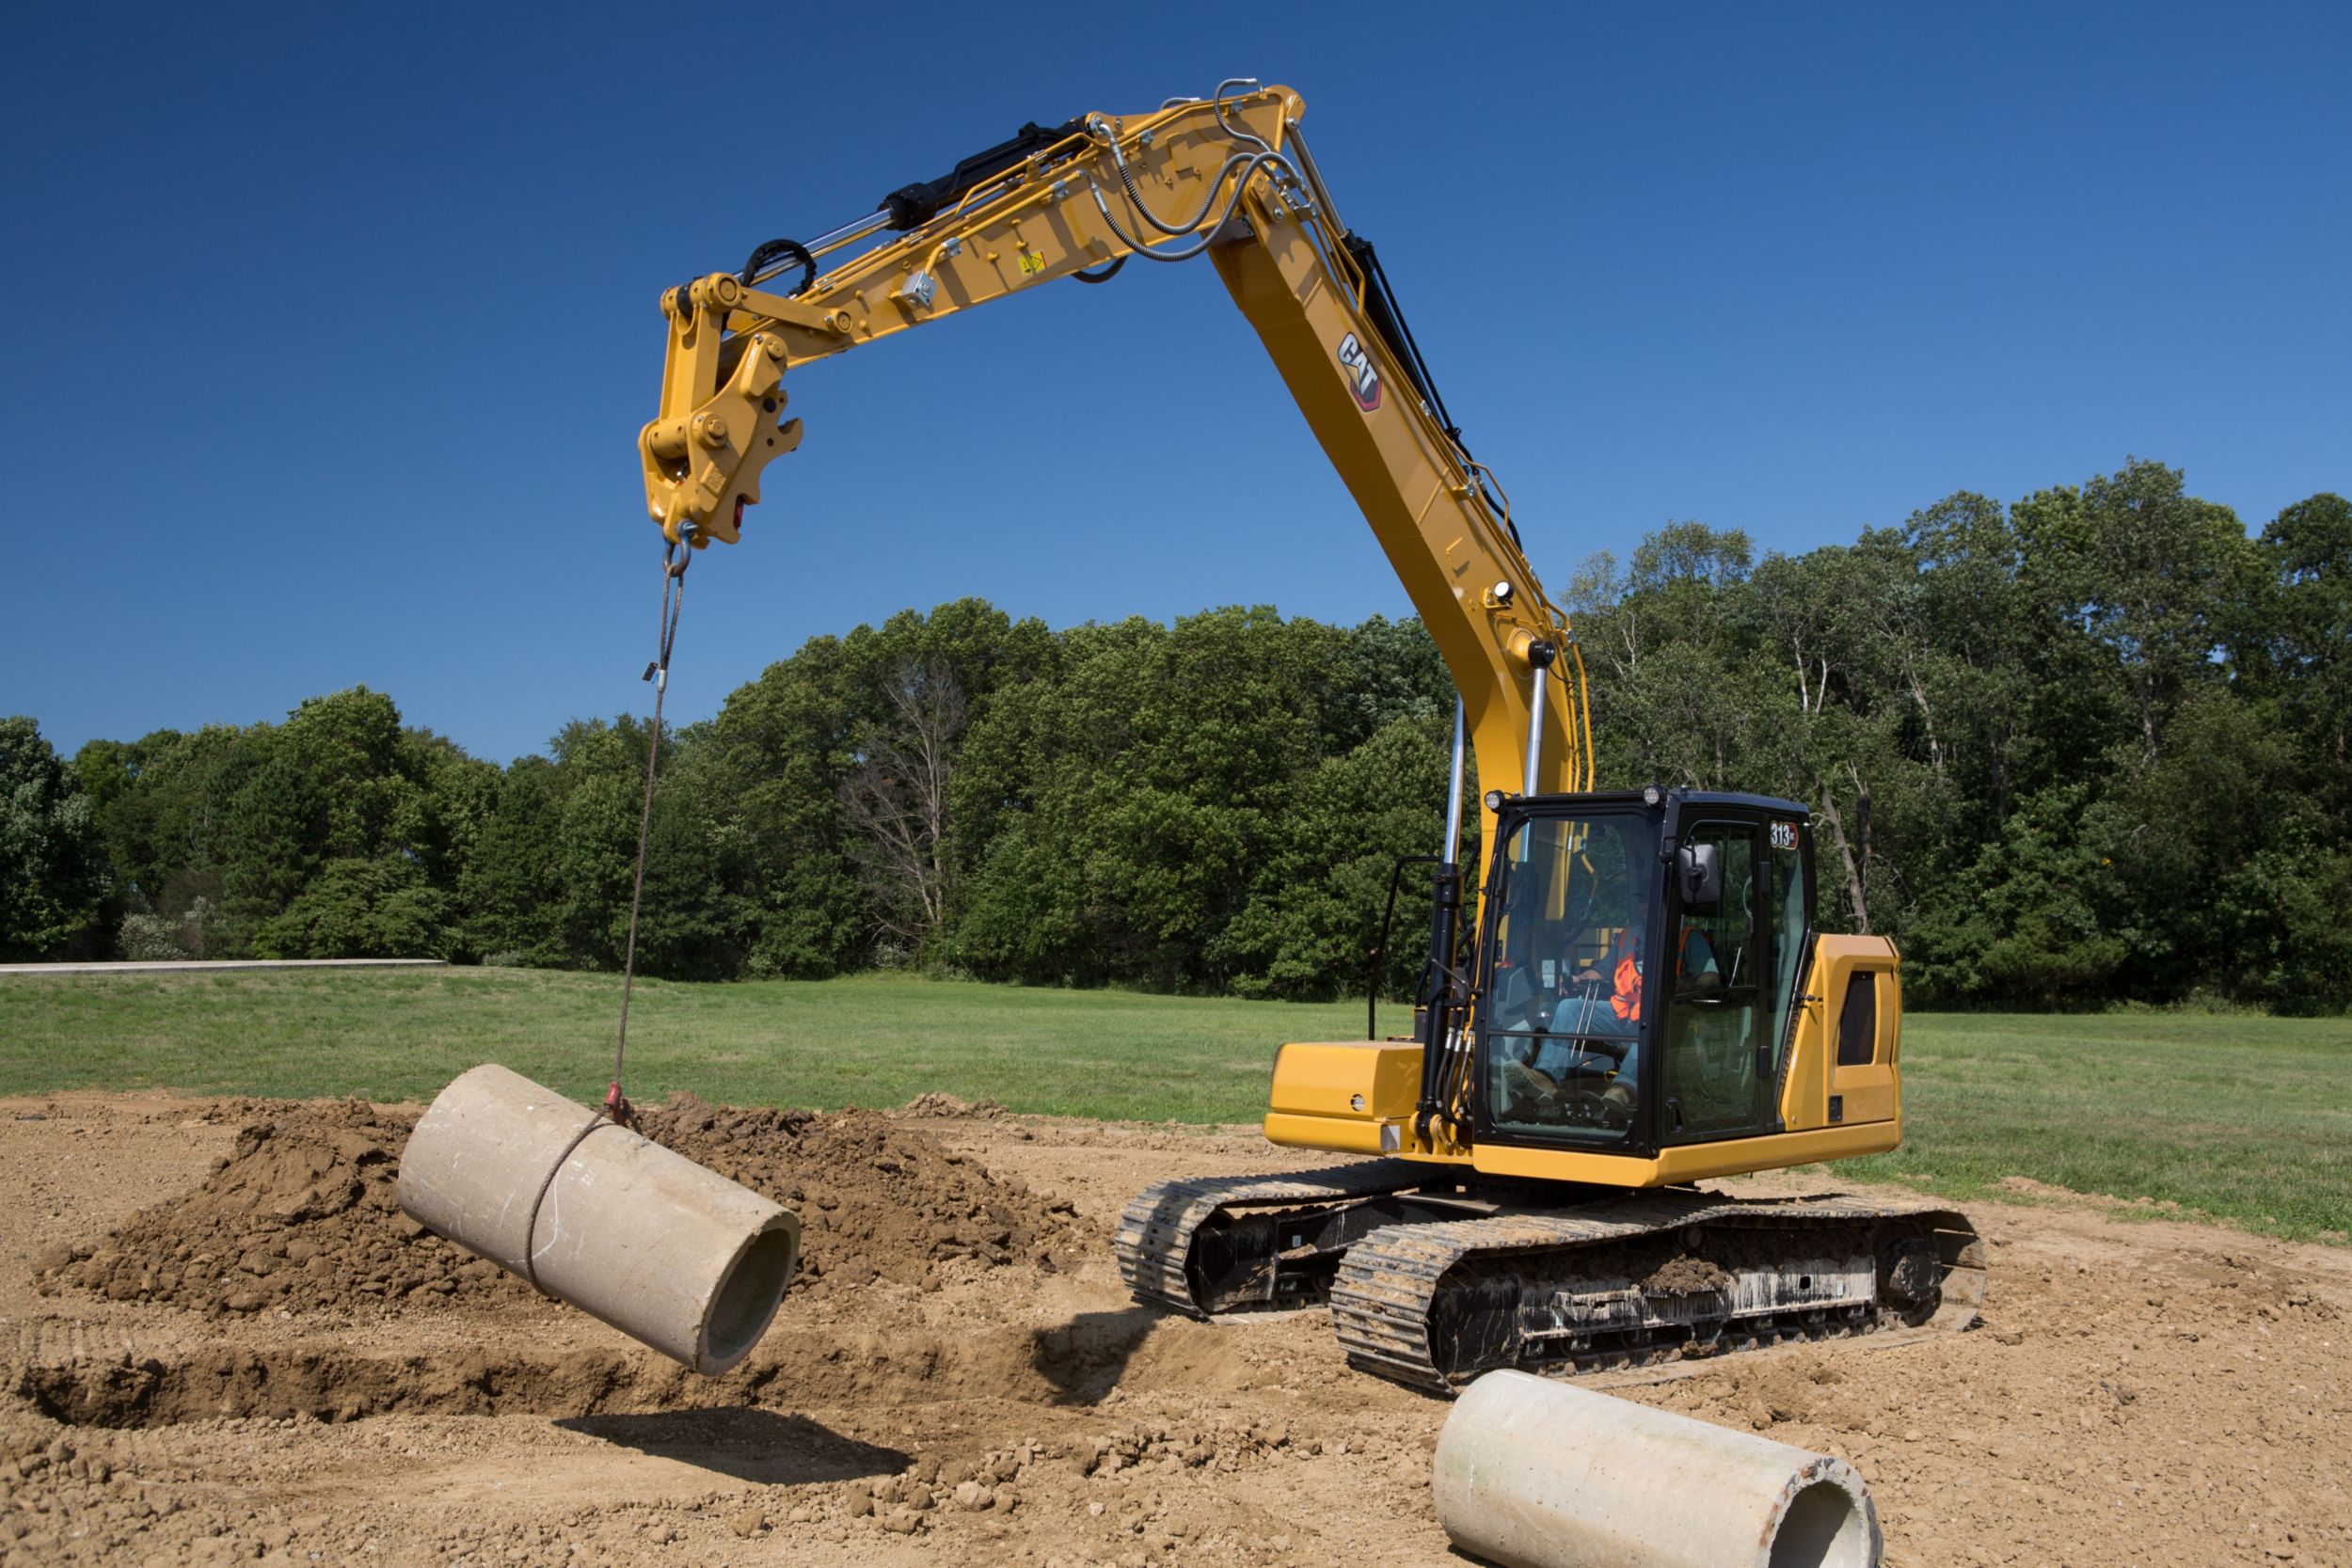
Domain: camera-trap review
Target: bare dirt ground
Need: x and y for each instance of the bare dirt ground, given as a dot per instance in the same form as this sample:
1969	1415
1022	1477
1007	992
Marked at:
219	1341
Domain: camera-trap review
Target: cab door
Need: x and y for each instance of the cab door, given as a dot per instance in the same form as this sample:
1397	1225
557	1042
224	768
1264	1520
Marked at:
1721	1037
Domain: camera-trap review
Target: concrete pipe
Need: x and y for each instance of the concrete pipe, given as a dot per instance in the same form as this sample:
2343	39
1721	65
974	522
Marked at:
1536	1474
672	1255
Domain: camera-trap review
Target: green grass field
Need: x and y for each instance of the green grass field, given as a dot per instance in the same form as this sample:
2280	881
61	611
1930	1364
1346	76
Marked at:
2241	1118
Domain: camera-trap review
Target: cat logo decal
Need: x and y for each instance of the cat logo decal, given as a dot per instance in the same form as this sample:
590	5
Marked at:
1362	377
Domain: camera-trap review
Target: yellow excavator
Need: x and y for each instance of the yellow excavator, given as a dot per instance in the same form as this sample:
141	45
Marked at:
1633	1000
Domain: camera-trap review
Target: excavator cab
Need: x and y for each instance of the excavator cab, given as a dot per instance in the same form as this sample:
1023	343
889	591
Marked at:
1583	1042
1644	1003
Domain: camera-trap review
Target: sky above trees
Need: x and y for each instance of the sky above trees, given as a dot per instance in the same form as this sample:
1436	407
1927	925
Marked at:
335	325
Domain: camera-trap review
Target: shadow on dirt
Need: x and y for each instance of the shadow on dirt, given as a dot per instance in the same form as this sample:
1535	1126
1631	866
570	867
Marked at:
748	1444
1084	1358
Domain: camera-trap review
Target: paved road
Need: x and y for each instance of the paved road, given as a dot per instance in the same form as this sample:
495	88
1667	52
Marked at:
222	963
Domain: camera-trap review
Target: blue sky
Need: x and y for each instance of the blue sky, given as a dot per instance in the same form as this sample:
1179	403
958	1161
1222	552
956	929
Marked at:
332	328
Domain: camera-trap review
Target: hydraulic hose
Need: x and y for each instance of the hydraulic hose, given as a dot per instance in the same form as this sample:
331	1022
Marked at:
1206	234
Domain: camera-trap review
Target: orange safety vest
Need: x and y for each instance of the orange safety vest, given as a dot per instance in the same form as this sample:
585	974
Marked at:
1627	1003
1627	1000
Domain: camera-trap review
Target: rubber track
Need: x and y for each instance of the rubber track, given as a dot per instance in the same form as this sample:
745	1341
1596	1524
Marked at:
1387	1282
1156	1232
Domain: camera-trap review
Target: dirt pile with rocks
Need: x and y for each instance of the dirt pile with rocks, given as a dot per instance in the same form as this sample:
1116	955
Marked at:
303	1214
877	1199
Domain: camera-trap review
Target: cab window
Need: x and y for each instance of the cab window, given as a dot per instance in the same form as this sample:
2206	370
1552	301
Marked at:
1790	904
1562	1017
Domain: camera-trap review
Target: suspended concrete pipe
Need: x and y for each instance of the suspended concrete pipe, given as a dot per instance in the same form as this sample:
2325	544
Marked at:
672	1255
1536	1474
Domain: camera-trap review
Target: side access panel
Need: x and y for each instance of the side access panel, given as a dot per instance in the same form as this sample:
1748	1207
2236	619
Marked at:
1351	1096
1845	1072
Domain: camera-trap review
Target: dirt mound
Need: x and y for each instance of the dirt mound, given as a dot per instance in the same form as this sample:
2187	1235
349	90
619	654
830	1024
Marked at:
303	1215
877	1199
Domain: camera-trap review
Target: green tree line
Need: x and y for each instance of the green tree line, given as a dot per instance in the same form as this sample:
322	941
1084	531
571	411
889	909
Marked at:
2083	748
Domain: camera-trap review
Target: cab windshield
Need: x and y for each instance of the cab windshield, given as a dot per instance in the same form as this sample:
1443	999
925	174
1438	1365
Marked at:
1563	1018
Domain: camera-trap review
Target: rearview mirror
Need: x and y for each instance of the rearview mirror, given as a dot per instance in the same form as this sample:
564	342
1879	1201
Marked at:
1701	873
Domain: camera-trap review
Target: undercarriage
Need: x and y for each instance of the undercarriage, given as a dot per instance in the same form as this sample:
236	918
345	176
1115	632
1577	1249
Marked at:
1432	1283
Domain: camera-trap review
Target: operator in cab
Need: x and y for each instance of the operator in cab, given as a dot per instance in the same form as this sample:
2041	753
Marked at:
1577	1040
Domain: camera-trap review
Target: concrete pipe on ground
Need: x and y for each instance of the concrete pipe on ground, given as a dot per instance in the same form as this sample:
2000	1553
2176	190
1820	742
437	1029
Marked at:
1536	1474
672	1255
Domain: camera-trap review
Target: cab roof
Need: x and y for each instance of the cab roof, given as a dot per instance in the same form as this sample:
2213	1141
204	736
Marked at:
1686	797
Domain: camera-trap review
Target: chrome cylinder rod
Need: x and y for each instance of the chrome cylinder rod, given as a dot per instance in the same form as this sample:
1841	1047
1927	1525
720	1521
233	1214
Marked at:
847	233
1454	792
1540	656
